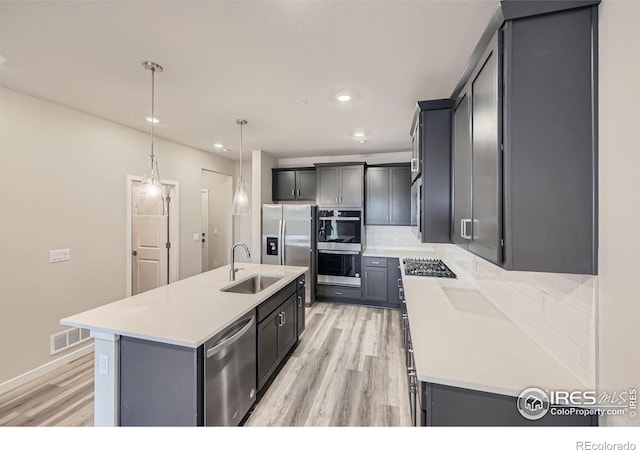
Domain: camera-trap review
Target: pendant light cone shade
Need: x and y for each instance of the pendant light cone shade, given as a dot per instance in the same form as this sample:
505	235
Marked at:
241	204
151	198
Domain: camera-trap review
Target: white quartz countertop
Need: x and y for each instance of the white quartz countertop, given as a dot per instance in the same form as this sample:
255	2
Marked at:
187	312
461	339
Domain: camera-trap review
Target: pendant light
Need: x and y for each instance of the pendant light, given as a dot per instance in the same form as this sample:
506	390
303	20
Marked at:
241	199
150	200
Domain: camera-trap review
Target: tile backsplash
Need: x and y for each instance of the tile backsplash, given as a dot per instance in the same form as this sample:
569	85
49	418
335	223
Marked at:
557	310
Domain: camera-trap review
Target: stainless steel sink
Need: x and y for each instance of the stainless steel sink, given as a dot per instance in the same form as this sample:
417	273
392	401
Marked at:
252	285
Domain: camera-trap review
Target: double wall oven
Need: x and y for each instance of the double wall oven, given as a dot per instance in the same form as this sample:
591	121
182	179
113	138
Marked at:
339	246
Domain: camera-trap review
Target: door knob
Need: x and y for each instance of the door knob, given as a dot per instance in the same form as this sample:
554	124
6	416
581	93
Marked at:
134	253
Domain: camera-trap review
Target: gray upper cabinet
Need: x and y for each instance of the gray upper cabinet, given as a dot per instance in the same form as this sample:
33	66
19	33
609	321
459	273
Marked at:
461	149
340	186
388	199
432	122
293	184
487	173
531	102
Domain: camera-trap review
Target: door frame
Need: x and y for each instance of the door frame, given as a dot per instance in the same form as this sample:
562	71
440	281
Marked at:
204	211
174	230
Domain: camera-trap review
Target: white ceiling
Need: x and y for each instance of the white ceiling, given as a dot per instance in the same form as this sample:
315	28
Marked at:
257	60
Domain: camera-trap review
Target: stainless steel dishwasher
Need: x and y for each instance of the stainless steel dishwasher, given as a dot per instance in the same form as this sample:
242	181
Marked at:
230	373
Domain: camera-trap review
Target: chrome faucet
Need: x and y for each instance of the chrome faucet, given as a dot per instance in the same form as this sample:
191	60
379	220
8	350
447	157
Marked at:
232	272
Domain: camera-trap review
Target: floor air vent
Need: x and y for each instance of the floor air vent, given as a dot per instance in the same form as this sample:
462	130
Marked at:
68	338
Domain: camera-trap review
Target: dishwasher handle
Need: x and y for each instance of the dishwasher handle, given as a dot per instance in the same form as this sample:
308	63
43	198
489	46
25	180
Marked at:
230	340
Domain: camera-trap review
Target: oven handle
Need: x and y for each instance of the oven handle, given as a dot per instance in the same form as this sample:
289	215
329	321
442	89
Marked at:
339	252
352	219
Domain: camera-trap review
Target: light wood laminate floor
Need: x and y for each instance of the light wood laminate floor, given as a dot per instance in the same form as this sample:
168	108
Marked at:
348	370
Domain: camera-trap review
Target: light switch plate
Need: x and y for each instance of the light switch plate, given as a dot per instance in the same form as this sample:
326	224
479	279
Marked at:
196	237
104	365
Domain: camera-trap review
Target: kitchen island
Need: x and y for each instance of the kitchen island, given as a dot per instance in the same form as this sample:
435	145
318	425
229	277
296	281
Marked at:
181	315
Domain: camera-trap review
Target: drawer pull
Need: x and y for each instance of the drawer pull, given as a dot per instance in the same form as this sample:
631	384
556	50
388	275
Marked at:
338	293
375	262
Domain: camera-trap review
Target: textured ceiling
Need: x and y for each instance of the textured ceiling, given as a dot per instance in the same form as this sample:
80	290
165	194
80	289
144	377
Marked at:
255	60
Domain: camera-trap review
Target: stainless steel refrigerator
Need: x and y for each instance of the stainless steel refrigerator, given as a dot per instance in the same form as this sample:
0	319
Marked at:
289	238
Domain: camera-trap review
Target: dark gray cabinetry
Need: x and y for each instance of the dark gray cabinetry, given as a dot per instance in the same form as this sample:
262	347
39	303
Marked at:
160	384
277	330
442	405
394	280
339	293
388	199
531	93
375	284
340	186
487	170
432	122
293	184
300	302
461	148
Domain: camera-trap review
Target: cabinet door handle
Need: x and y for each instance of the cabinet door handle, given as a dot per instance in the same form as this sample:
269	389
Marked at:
293	192
399	282
341	199
336	200
298	192
284	317
375	262
299	301
338	293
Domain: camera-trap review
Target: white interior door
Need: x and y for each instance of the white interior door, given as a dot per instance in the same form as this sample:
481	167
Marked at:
150	255
149	252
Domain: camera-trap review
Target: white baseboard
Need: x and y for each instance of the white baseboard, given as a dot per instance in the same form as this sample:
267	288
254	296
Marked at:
44	369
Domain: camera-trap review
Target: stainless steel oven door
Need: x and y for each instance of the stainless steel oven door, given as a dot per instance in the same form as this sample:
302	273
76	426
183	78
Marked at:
340	267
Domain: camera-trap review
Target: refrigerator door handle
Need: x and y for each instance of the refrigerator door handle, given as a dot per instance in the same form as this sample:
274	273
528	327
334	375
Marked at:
280	242
284	232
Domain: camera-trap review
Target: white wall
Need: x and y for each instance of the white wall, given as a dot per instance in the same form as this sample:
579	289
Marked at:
261	165
218	234
619	214
371	158
63	179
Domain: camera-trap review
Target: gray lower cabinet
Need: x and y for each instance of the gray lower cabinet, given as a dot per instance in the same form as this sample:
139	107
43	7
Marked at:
293	184
340	186
375	284
160	384
388	199
277	333
441	405
525	134
394	282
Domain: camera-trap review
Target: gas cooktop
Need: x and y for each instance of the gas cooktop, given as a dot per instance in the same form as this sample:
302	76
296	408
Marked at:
427	268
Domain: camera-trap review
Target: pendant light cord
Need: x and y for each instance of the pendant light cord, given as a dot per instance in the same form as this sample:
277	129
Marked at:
153	113
240	150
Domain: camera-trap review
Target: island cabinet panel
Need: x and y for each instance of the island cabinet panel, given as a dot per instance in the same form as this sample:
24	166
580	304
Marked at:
278	329
160	384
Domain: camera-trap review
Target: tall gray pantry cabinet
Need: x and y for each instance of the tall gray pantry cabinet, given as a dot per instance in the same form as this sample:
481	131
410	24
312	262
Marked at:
525	140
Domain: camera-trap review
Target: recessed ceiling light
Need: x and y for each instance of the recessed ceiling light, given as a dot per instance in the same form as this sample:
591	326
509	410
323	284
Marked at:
358	134
363	141
343	97
218	145
151	119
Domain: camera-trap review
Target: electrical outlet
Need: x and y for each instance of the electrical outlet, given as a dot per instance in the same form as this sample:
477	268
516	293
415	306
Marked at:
215	231
59	255
104	365
196	237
